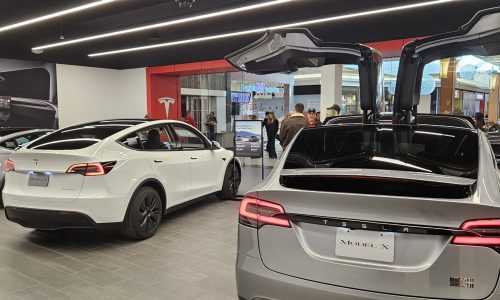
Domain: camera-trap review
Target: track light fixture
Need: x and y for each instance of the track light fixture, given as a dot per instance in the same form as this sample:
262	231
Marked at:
263	29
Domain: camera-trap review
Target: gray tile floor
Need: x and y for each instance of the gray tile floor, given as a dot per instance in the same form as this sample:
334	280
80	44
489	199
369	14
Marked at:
191	257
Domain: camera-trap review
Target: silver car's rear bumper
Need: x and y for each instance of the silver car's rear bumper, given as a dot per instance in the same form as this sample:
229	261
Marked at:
256	282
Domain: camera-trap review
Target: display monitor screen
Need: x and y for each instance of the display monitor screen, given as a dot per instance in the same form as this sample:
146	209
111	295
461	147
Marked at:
238	97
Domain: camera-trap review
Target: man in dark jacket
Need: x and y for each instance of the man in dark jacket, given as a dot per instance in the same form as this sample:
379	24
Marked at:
292	125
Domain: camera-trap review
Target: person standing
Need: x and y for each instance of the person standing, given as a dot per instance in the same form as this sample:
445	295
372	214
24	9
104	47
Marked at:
272	126
292	125
332	112
264	124
480	123
311	116
188	118
211	123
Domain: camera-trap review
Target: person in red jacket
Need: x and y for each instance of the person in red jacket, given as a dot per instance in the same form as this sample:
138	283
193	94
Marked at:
311	116
189	119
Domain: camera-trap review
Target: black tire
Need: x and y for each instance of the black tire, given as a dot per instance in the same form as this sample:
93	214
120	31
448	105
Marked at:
231	184
144	214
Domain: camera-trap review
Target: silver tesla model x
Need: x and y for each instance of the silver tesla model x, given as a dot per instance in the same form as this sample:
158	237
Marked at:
370	207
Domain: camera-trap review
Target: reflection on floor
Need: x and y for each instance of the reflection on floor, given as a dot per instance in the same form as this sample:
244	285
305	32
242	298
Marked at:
251	176
191	257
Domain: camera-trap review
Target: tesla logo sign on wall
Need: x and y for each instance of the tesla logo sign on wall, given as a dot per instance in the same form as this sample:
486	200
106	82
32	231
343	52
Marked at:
167	101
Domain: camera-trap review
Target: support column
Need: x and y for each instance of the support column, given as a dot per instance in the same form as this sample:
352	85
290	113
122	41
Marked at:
331	87
448	76
494	98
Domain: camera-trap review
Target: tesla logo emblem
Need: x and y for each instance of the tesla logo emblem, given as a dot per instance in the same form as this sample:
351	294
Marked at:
36	161
166	101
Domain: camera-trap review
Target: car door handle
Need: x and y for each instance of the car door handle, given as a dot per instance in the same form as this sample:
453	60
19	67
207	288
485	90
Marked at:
158	161
193	158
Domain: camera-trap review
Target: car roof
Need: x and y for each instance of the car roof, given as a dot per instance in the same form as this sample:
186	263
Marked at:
20	133
129	125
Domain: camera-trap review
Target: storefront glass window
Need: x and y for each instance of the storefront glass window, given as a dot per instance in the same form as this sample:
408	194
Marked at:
458	85
202	95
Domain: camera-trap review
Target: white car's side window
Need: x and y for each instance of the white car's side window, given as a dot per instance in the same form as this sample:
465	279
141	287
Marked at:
152	139
188	139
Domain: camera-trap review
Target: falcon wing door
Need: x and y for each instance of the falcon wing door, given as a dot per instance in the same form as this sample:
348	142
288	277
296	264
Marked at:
480	38
288	50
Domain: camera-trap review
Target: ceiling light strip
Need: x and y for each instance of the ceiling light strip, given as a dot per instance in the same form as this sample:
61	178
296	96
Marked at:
263	29
164	24
55	15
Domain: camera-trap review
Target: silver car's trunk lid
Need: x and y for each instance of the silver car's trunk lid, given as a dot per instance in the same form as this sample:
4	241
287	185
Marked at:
339	239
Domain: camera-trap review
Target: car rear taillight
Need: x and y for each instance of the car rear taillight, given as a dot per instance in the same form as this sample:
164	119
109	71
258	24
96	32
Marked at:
257	213
9	165
482	233
92	169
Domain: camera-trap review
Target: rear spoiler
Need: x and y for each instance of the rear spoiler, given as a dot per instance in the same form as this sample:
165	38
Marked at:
378	174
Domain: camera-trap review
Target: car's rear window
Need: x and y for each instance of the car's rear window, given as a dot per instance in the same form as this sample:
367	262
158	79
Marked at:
78	137
417	148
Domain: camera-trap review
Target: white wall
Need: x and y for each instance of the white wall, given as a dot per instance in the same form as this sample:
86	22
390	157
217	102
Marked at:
89	94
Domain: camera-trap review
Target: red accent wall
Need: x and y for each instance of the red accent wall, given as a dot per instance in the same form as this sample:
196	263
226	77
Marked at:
162	86
391	46
165	81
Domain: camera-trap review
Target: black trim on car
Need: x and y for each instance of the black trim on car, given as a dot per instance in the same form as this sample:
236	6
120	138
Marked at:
374	226
54	219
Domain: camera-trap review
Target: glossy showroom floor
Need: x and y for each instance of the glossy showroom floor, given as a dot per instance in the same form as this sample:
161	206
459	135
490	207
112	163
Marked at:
191	257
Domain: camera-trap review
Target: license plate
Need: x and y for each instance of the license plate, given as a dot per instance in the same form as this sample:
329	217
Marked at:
38	179
362	244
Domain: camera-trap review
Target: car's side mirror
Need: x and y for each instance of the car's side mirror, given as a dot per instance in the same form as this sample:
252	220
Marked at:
216	145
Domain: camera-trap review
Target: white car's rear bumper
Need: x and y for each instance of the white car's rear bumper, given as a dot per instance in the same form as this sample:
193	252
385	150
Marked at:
97	210
256	282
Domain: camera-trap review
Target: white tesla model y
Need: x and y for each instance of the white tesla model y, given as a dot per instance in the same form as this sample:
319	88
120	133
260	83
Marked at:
123	174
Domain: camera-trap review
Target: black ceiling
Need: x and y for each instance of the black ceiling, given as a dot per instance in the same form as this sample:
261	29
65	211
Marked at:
125	14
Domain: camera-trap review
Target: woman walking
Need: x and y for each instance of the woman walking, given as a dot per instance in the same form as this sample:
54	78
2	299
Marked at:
272	126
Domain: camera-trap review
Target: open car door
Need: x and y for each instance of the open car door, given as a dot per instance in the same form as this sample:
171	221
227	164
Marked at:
479	37
287	50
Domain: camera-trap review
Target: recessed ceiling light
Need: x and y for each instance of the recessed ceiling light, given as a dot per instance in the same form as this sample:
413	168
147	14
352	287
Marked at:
164	24
54	15
263	29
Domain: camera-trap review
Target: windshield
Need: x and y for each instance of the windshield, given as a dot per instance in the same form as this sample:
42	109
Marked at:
420	148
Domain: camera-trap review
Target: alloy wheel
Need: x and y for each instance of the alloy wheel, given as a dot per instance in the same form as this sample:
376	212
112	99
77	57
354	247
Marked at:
234	181
150	213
